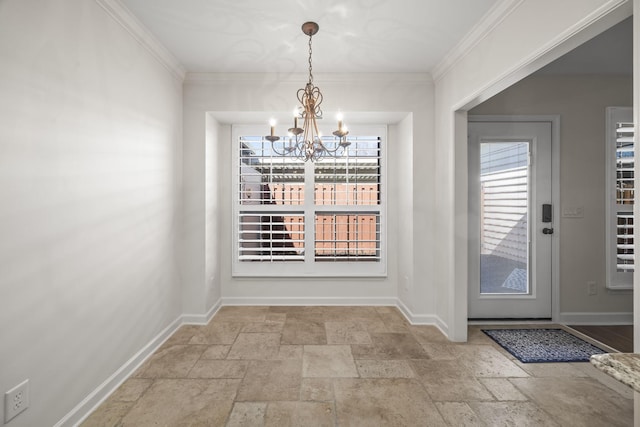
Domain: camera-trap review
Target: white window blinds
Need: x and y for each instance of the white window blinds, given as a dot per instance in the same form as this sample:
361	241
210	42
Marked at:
624	196
620	189
309	218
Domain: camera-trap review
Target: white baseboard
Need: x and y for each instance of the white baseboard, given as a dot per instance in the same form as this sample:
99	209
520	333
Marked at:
379	301
104	390
414	319
578	318
422	319
309	301
78	414
202	319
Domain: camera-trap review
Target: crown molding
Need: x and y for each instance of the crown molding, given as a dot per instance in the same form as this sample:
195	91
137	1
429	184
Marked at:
142	35
610	13
319	78
487	23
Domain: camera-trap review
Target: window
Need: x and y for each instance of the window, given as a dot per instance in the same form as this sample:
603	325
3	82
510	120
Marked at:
296	218
620	198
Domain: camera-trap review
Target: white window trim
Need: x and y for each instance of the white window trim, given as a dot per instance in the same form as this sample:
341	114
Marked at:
615	280
309	268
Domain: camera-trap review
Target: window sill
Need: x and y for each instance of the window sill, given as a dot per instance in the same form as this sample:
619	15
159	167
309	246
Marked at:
344	270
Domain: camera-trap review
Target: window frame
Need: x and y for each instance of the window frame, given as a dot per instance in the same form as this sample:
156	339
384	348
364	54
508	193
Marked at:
615	280
309	267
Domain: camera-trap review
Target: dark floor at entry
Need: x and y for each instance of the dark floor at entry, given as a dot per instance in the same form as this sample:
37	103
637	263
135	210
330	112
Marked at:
619	337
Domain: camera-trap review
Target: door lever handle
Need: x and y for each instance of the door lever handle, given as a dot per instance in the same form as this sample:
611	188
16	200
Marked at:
547	230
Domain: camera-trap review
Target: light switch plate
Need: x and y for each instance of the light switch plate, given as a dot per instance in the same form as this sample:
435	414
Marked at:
573	212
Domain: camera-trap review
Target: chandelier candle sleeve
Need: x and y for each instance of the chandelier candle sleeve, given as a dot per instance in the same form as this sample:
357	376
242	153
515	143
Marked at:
272	137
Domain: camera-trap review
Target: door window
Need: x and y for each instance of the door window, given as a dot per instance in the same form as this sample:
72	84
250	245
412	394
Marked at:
504	221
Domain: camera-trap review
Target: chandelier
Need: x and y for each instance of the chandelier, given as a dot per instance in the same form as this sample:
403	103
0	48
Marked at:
306	142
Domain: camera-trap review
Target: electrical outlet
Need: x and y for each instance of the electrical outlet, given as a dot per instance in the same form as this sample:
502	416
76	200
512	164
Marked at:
16	400
592	289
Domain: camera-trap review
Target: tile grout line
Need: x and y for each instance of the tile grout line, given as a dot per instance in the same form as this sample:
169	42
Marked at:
399	336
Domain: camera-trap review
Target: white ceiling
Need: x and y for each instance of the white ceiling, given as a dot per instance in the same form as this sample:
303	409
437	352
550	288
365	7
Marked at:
265	35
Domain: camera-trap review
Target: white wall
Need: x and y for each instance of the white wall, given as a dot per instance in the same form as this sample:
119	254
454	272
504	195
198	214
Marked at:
580	101
402	186
511	50
256	97
91	178
636	211
90	140
213	214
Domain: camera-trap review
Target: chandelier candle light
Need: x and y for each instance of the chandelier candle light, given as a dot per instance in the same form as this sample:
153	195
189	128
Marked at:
306	143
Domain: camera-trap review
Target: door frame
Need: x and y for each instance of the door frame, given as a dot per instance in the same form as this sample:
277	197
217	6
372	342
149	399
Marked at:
555	195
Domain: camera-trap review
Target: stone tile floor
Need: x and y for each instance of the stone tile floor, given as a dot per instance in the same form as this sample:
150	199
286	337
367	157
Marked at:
352	366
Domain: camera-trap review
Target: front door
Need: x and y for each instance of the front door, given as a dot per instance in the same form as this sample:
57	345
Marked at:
511	221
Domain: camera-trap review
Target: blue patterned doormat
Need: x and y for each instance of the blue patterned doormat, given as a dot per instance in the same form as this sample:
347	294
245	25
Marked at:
543	345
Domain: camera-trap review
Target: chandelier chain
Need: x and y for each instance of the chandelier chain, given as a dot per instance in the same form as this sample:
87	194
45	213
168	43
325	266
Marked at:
310	66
